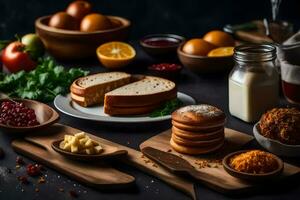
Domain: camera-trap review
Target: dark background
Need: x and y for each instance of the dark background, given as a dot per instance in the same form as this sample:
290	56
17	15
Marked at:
185	17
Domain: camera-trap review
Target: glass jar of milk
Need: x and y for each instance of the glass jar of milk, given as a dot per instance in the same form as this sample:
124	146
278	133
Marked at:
253	82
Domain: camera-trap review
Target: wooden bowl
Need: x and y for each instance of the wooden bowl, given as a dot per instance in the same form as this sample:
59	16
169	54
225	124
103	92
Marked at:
46	116
249	176
205	64
70	45
159	51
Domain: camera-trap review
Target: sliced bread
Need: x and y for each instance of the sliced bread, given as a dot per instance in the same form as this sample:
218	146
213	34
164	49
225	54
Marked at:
148	91
90	90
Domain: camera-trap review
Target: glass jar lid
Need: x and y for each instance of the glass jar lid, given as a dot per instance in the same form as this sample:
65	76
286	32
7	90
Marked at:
255	53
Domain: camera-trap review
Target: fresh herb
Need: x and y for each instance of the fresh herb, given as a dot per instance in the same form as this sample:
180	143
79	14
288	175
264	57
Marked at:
167	108
43	83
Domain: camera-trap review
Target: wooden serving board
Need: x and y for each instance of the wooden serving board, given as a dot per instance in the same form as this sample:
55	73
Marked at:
98	175
215	176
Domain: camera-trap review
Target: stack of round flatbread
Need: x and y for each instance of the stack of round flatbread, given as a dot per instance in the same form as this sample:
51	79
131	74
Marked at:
197	129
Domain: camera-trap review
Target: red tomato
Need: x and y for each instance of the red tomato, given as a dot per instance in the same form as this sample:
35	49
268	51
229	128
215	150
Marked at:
14	59
79	9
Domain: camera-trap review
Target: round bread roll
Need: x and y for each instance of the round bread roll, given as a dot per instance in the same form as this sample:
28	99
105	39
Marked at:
199	115
197	135
194	128
194	150
197	143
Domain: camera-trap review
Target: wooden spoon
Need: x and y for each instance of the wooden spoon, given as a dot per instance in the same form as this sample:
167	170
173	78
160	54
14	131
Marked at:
108	152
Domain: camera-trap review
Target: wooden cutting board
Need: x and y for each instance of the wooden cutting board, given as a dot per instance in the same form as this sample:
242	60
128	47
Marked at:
98	175
216	177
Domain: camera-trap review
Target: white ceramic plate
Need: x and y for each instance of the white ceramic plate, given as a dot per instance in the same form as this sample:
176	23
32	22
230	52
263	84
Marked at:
67	106
275	146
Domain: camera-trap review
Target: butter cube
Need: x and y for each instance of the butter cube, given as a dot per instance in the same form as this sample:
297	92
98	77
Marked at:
89	151
74	149
67	137
98	149
89	143
67	147
80	135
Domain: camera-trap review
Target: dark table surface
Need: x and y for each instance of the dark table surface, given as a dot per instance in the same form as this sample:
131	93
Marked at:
210	89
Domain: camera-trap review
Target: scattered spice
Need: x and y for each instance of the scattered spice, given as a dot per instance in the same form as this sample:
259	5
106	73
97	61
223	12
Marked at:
154	165
61	189
73	194
210	163
2	154
37	190
255	162
41	180
169	150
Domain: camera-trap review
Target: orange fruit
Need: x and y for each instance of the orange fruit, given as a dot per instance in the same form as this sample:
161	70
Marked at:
63	20
95	22
221	51
219	38
198	47
115	54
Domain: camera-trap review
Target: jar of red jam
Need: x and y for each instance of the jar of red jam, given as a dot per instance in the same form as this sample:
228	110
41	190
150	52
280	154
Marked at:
169	71
290	75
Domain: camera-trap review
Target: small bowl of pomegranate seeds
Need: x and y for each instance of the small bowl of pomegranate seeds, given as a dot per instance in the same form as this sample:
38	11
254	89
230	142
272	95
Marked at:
161	44
169	71
21	115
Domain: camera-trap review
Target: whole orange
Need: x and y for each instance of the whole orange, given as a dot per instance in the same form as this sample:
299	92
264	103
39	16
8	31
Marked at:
79	9
63	20
198	47
95	22
219	38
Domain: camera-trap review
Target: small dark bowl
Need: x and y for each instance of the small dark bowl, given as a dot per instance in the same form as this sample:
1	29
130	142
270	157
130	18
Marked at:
205	64
172	75
249	176
45	115
159	51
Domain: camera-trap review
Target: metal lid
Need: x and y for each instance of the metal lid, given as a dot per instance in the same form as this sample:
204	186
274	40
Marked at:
255	53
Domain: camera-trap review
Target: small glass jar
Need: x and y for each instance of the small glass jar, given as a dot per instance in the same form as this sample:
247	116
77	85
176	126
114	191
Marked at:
253	82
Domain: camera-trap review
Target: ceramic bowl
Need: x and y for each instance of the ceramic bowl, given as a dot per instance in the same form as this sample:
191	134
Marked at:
275	146
204	64
46	116
250	176
70	45
160	51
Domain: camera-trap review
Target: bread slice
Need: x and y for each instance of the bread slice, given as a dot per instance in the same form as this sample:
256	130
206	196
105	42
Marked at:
148	91
117	111
90	90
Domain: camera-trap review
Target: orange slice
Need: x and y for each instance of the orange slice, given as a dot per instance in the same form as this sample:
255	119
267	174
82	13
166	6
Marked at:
115	54
221	51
